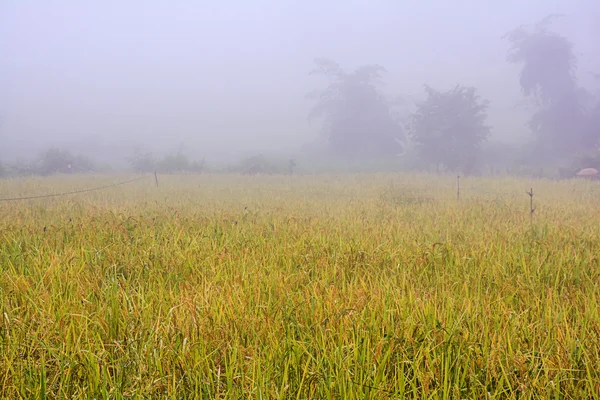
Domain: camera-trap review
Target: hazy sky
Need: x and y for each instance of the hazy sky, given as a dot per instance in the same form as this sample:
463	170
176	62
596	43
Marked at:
232	75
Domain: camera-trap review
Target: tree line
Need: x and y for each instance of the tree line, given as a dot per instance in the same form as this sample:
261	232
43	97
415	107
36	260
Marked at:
449	127
447	130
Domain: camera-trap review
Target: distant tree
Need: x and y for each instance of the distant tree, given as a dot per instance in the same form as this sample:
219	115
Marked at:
54	161
356	116
594	124
593	120
548	77
143	162
174	163
449	128
258	164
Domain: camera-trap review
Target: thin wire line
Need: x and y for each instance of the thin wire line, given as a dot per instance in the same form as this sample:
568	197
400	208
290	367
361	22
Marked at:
43	196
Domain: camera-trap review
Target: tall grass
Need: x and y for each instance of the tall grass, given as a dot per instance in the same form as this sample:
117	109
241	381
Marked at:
356	286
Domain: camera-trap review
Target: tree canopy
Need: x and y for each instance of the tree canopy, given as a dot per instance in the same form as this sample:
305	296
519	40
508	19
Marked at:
548	77
356	116
449	127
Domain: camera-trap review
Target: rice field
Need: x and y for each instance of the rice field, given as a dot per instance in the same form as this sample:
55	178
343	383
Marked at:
358	286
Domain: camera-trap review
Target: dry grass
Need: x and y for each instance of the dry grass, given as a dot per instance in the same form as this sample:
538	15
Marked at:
356	286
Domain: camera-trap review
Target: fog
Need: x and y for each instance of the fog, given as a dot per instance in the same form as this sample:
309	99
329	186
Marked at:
229	78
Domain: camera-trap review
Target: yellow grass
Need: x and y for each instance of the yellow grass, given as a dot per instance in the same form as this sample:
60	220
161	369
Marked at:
311	287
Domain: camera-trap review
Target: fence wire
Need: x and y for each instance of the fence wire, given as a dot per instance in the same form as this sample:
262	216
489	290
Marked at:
395	191
45	196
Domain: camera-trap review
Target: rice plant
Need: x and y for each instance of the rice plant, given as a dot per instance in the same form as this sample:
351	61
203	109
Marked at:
357	286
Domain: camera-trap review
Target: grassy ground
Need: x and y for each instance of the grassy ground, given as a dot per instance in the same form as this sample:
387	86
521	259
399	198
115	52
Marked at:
349	286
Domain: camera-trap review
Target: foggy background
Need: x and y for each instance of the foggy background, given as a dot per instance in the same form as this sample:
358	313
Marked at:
227	78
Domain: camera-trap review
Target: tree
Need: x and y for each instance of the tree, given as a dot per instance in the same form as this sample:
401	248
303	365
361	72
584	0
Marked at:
449	128
547	77
356	116
593	120
593	125
143	162
53	161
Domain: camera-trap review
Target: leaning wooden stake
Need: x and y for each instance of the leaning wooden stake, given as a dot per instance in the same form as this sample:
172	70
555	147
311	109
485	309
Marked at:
531	209
458	187
156	178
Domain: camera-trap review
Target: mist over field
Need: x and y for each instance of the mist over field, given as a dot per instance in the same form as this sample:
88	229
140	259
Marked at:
223	80
320	200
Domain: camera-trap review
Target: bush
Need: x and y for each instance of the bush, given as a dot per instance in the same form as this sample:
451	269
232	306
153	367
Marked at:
257	165
143	163
54	161
169	164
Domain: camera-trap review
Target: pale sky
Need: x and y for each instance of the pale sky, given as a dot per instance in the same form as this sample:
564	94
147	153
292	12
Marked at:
231	76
